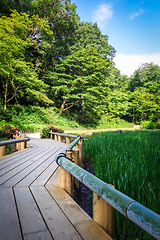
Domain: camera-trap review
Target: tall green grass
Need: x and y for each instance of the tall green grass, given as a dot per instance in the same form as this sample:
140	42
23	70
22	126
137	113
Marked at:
131	162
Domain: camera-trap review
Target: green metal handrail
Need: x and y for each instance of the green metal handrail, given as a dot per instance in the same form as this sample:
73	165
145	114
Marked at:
137	213
3	143
64	135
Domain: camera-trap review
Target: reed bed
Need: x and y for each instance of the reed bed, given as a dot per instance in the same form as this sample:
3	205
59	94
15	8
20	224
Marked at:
131	162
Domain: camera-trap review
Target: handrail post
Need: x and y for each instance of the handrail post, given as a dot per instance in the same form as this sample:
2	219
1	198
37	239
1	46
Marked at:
18	145
79	146
24	144
104	215
65	177
68	140
59	138
55	137
51	135
3	151
75	158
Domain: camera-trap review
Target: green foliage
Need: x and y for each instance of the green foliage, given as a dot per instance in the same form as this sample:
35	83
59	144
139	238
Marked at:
127	160
48	56
89	35
109	122
145	99
143	105
17	76
81	82
148	125
45	131
34	118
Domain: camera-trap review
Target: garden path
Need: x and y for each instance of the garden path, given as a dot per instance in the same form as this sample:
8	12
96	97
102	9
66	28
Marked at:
32	204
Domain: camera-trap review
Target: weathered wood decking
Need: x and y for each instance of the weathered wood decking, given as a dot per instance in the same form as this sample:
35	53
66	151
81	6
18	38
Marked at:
32	205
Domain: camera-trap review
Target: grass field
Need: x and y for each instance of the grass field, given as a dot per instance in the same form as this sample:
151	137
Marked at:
129	160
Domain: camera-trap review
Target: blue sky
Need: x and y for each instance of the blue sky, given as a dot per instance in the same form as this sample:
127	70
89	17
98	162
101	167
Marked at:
133	28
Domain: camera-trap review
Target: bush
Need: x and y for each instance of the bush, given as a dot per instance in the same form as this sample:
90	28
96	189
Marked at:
8	131
148	124
158	125
45	131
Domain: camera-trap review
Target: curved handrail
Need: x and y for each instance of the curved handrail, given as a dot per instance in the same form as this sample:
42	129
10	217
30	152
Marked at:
137	213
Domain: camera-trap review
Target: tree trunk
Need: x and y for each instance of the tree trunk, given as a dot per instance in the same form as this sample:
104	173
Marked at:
5	94
83	105
133	116
62	106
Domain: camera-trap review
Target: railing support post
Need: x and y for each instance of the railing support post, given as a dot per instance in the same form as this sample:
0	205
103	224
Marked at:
104	215
55	137
75	158
18	145
3	151
68	140
66	178
79	146
51	135
23	145
60	138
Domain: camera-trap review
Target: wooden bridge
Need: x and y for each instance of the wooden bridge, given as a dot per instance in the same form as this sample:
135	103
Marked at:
33	205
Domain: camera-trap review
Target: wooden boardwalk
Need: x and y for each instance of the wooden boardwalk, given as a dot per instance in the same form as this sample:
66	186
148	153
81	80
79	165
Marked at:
32	205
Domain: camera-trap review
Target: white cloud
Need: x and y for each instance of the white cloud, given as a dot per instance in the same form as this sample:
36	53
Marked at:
127	64
102	15
140	11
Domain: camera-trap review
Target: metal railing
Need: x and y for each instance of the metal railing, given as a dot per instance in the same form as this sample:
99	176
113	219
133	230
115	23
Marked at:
137	213
64	135
20	144
3	143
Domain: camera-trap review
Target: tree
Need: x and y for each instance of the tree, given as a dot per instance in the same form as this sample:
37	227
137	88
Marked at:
89	35
62	18
80	82
143	105
118	104
17	77
145	85
8	6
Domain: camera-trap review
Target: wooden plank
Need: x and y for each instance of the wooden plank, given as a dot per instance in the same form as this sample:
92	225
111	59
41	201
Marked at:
48	165
14	156
91	230
42	235
22	159
9	223
17	171
85	225
26	171
55	179
30	217
60	227
45	175
71	209
50	175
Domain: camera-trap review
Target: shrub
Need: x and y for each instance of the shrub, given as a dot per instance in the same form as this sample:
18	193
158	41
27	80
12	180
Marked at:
45	131
8	131
148	124
158	125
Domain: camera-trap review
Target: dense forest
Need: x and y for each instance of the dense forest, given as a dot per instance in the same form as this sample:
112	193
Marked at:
50	58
